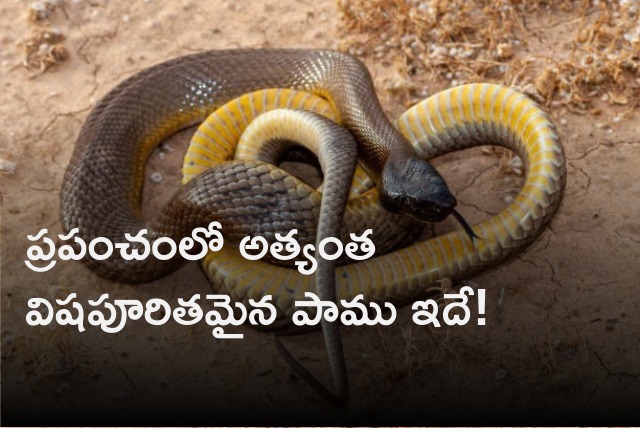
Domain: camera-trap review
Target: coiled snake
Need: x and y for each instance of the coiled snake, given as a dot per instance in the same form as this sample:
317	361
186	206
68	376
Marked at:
102	186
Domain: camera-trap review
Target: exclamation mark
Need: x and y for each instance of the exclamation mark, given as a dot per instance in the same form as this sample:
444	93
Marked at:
481	295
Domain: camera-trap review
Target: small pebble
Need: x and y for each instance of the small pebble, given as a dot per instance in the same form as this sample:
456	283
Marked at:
515	162
508	199
439	51
504	51
38	11
7	166
156	177
126	18
165	147
500	374
405	40
468	53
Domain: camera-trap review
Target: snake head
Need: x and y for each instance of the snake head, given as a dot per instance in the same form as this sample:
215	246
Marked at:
416	188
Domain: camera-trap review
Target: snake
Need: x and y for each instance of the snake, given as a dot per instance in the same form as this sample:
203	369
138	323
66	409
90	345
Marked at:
106	169
102	185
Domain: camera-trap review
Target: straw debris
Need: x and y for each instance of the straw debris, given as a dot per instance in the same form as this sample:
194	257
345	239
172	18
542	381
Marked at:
447	43
44	47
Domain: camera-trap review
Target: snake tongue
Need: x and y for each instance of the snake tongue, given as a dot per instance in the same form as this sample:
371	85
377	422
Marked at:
467	228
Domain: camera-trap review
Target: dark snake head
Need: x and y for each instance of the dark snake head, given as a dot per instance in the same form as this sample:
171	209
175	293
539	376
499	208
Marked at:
416	188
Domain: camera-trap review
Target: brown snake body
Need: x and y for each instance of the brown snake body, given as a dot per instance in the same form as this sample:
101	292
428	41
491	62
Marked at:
102	186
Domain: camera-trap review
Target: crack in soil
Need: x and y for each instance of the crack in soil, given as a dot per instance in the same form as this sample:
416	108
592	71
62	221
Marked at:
125	374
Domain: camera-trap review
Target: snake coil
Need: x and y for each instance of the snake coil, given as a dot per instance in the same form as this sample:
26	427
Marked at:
102	185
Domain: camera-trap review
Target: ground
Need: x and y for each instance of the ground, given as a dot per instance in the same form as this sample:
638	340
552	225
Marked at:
563	318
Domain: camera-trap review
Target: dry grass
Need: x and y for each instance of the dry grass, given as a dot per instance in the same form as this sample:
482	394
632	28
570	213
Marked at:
44	46
407	360
47	351
459	41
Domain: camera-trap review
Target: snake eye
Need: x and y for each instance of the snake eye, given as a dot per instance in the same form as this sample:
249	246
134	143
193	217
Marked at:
416	188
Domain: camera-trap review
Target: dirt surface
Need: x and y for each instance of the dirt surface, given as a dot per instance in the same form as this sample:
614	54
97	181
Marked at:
563	318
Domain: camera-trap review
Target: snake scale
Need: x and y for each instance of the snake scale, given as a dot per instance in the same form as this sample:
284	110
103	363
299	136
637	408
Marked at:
102	186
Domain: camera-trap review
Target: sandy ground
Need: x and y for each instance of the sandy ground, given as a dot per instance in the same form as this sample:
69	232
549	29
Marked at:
563	318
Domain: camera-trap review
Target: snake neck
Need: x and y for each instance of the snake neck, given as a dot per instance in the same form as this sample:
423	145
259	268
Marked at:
347	84
101	193
407	184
